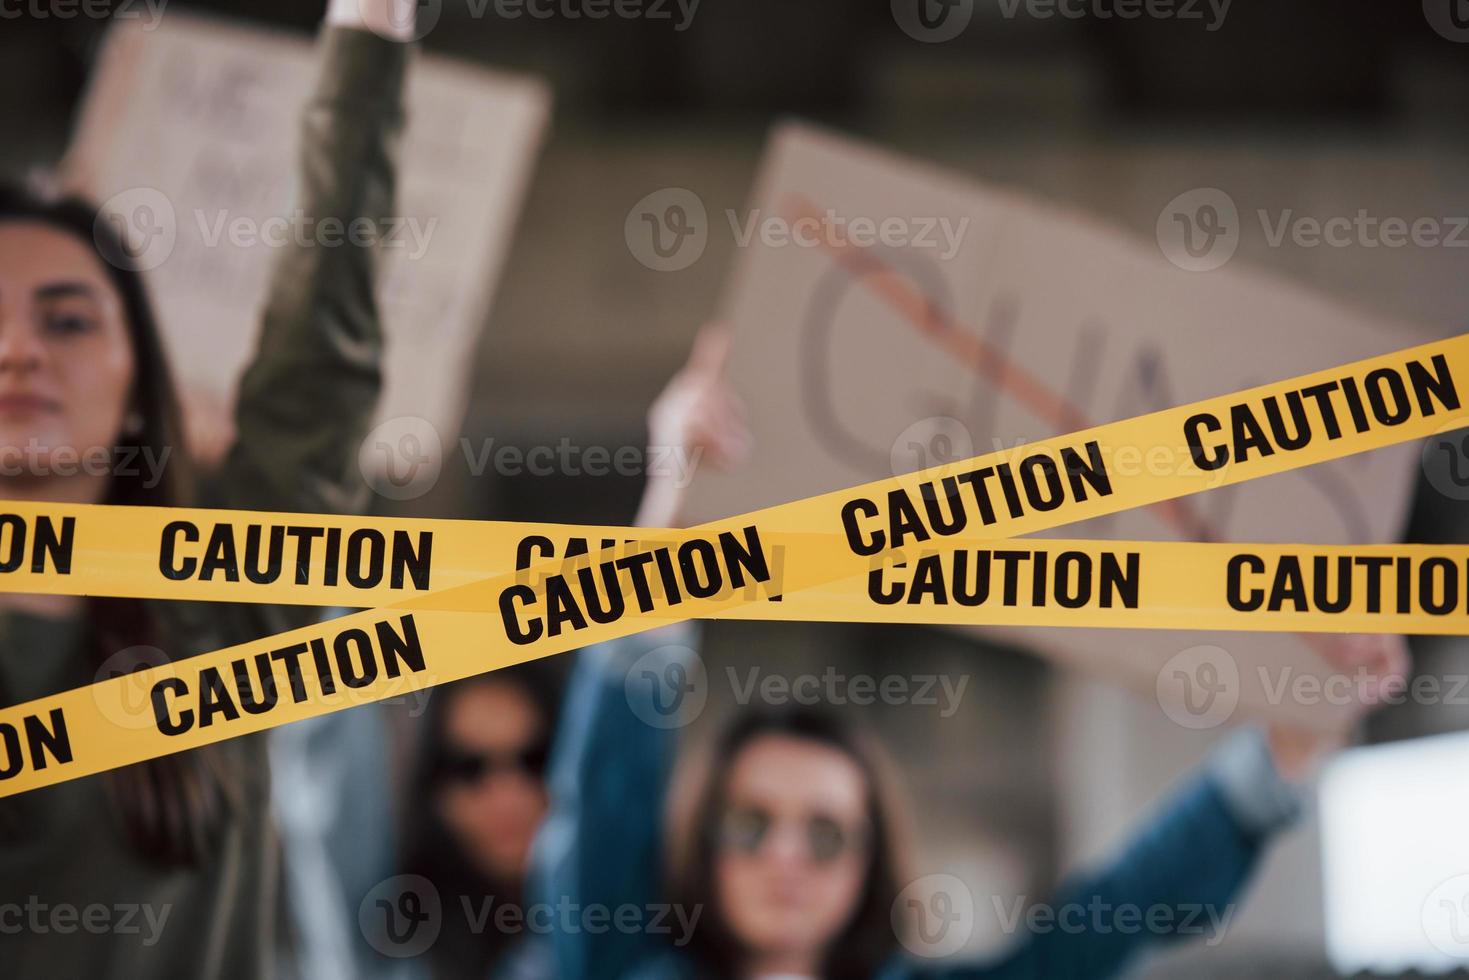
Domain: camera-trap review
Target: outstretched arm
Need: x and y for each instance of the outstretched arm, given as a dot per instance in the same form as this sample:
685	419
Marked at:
1184	873
1181	876
602	844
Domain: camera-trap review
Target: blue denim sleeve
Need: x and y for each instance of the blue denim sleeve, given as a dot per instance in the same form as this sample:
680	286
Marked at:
1180	877
601	846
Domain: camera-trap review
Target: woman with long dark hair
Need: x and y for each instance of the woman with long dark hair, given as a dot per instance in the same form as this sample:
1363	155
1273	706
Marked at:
167	868
829	788
777	849
476	798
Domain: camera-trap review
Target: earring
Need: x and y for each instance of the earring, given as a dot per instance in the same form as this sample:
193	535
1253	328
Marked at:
132	425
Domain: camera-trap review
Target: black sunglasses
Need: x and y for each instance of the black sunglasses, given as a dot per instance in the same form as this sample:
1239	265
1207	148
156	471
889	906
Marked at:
468	768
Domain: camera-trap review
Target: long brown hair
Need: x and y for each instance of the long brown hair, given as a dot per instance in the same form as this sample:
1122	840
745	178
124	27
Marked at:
172	809
698	801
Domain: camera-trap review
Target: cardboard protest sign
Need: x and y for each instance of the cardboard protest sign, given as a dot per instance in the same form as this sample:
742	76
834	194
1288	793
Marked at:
888	317
201	117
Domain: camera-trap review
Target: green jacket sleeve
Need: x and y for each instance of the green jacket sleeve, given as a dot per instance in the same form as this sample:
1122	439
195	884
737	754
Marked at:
307	398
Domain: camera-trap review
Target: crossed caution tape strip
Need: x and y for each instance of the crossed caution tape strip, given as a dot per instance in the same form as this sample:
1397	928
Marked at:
445	600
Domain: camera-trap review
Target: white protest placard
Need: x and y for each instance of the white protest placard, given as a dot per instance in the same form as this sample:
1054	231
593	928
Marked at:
207	114
887	316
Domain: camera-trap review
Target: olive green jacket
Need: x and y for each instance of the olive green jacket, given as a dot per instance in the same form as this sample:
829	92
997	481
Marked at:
76	899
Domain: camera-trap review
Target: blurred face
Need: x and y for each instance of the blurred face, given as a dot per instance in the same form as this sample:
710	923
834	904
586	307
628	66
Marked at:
793	848
491	794
66	360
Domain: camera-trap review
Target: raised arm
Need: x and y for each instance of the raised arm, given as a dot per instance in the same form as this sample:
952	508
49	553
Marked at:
602	844
307	398
1181	876
1185	871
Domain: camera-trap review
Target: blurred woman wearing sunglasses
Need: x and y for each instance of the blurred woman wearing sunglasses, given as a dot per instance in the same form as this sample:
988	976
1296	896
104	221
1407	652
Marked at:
478	798
782	849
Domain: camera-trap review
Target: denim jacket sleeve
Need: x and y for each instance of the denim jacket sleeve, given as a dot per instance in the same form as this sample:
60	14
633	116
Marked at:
601	844
1185	869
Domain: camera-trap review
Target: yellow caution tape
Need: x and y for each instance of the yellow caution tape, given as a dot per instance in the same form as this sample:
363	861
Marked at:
450	599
